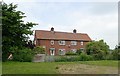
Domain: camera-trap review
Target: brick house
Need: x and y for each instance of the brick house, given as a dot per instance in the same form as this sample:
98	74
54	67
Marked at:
58	43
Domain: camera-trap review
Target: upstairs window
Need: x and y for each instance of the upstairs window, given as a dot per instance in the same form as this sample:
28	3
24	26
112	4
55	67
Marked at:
52	42
73	42
81	42
62	42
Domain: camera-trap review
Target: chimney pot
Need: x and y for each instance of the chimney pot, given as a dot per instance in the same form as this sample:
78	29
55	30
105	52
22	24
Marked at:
52	29
74	31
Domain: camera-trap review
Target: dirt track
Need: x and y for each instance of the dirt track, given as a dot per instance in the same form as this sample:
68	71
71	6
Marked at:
86	69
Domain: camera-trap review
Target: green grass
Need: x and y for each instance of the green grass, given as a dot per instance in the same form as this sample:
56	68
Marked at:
46	67
28	68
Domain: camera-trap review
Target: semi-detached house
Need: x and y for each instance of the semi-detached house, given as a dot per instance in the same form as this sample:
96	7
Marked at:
58	43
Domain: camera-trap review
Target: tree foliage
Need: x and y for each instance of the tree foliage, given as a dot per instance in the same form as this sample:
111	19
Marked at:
97	48
22	55
116	53
14	30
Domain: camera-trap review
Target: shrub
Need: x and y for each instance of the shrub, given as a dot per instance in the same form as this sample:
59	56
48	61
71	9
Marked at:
109	57
79	51
67	59
39	50
81	57
85	57
71	59
23	55
100	55
61	59
70	53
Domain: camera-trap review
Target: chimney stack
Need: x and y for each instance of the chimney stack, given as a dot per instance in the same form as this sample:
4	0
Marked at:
52	29
74	31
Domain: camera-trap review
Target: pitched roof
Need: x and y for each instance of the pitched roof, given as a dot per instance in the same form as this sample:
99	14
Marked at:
43	34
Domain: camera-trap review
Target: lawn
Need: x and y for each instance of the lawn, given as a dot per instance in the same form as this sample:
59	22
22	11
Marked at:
82	67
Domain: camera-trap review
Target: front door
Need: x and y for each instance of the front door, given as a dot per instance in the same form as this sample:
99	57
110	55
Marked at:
52	51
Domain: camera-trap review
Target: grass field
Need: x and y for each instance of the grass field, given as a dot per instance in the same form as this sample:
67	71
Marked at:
82	67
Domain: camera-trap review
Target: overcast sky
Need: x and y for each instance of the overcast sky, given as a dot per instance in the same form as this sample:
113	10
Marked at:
98	19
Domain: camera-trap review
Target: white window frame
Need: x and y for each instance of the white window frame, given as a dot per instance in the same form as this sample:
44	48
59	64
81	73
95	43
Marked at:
73	42
81	43
61	42
74	50
63	52
52	42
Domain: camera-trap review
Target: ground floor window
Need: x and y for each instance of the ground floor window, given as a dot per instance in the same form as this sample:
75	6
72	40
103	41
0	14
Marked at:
61	51
74	50
82	49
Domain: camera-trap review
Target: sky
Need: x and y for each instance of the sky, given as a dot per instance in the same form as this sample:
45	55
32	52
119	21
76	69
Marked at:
98	19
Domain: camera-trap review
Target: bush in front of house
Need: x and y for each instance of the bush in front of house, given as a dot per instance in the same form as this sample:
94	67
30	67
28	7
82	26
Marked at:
79	51
70	53
61	59
73	58
66	59
22	55
81	57
39	50
85	57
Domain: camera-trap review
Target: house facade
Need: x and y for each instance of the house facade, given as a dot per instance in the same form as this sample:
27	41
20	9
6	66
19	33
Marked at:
58	43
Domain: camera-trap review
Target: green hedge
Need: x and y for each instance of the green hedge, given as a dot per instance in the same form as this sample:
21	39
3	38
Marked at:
66	59
70	53
81	57
85	57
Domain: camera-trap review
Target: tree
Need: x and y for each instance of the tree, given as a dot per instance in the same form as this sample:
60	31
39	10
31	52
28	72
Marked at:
30	44
116	52
39	50
14	30
97	48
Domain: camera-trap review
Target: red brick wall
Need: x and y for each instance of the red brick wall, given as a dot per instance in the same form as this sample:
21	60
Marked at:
47	44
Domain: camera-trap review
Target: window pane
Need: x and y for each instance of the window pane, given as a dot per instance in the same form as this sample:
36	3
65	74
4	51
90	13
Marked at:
81	42
73	42
74	50
61	42
61	51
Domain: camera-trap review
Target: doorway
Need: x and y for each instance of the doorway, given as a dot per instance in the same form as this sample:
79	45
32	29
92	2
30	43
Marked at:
52	51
